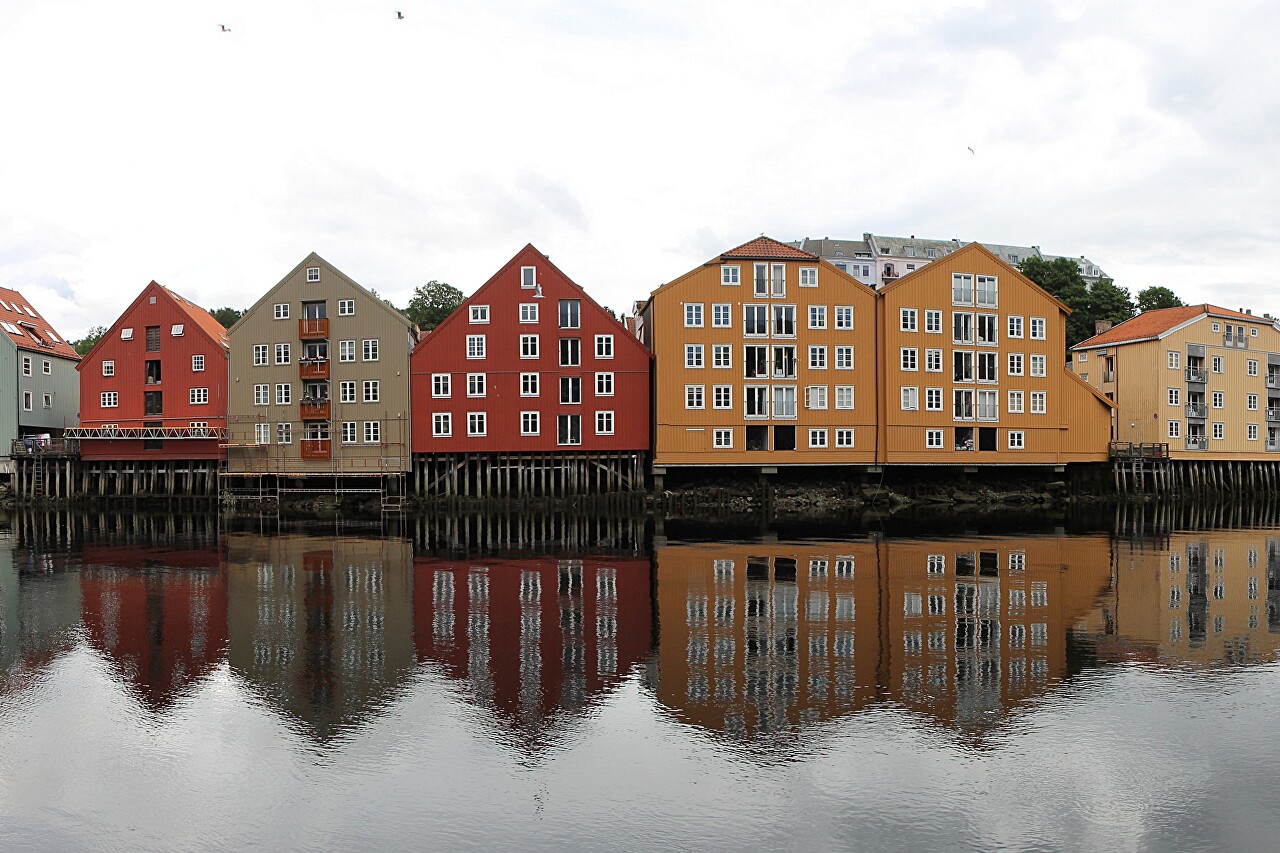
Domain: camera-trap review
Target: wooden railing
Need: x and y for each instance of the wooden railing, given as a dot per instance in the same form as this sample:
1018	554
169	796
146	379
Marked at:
313	368
313	327
1130	450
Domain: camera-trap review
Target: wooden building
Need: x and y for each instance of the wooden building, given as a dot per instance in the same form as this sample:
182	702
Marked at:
1202	379
764	356
971	359
529	388
318	384
154	388
39	386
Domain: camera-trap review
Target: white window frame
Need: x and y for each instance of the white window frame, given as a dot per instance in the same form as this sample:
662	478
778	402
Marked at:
198	396
693	357
908	319
909	359
1017	439
477	385
109	367
347	391
1039	402
933	439
817	316
347	308
694	397
441	424
721	315
373	432
529	346
477	424
722	439
371	391
817	358
845	398
478	314
844	318
313	274
808	276
197	363
693	315
844	357
530	423
730	275
476	346
604	384
528	312
280	312
909	397
530	385
817	439
604	346
1038	329
262	394
441	385
604	422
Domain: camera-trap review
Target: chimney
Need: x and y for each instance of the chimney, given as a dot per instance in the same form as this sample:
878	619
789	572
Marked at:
1101	326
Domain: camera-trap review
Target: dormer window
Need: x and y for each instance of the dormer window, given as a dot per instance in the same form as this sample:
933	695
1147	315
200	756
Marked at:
931	253
313	273
126	334
909	251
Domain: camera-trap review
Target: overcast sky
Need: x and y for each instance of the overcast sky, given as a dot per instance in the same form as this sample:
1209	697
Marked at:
629	140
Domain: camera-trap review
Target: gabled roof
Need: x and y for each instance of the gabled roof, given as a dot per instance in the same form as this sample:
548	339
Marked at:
972	248
28	330
766	249
199	317
1158	322
311	260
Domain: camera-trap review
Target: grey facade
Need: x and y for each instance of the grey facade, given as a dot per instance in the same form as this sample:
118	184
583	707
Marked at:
39	384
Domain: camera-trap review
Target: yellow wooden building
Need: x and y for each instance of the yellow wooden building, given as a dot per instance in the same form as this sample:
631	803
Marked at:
971	361
1203	379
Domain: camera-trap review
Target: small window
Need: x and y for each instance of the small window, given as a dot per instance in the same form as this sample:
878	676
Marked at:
197	364
126	334
372	432
346	350
282	311
693	315
604	423
46	367
199	396
108	368
479	313
1016	439
475	346
933	439
348	432
313	273
347	308
722	438
440	385
26	365
26	401
109	399
371	391
808	276
48	401
1217	327
604	346
817	438
529	277
528	312
371	349
284	394
529	423
730	275
477	423
176	330
476	385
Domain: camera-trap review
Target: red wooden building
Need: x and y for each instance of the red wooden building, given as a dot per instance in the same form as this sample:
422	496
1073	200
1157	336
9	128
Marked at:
155	386
529	388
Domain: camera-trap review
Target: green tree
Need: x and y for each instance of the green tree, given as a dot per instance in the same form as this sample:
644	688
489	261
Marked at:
86	343
1061	277
226	316
1158	297
1110	302
431	303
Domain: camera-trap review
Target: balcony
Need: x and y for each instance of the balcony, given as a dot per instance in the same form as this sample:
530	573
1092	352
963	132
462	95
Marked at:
1197	374
315	448
1197	410
1197	442
312	328
313	368
313	410
1273	416
1273	445
1273	380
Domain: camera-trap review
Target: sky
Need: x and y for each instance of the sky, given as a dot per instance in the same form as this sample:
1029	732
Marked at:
630	140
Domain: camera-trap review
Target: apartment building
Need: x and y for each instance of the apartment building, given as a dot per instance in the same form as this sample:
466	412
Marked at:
971	360
764	355
1203	379
319	380
39	385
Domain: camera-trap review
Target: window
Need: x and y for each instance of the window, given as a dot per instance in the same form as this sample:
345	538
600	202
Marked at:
1251	402
1253	331
985	291
1219	399
26	401
844	317
1251	432
961	289
282	311
528	277
693	396
722	356
26	365
961	328
755	401
284	394
933	361
1017	440
373	432
109	399
313	273
1217	327
46	367
784	320
442	422
284	433
570	352
604	346
722	396
818	438
755	320
1219	431
570	313
126	334
693	315
475	346
910	399
604	384
262	433
844	396
933	399
109	368
1038	402
907	357
529	385
371	394
962	406
570	389
528	346
721	315
197	364
199	396
346	307
347	389
440	385
730	275
817	358
476	385
784	402
478	314
932	322
476	423
933	439
1175	360
907	319
1015	364
1037	329
348	432
604	423
1037	365
1251	367
1175	429
371	349
722	438
844	358
176	330
1015	326
693	355
153	339
1175	396
282	354
988	405
569	429
1217	363
808	276
1015	402
528	312
815	397
844	438
986	325
529	423
262	395
346	350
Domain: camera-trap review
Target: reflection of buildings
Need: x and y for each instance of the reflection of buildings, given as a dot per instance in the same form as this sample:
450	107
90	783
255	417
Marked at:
1210	597
322	625
159	614
758	637
39	611
532	636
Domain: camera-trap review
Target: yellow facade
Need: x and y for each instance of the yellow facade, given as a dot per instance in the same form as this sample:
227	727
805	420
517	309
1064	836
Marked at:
1186	387
972	370
764	355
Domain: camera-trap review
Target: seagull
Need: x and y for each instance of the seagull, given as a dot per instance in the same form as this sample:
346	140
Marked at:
224	28
971	151
399	16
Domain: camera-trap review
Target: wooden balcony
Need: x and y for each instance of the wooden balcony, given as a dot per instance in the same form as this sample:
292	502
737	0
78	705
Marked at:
313	368
313	328
313	410
315	448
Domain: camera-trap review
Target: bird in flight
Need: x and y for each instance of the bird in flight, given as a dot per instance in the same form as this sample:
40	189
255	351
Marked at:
399	16
974	153
224	28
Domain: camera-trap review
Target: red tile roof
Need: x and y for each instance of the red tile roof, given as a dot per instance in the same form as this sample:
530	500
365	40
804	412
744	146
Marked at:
34	332
201	318
1152	324
767	248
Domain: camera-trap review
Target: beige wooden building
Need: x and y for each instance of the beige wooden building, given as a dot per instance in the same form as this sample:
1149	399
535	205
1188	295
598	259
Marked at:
319	380
1203	379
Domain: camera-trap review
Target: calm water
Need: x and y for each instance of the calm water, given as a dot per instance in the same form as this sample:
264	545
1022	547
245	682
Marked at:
165	685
